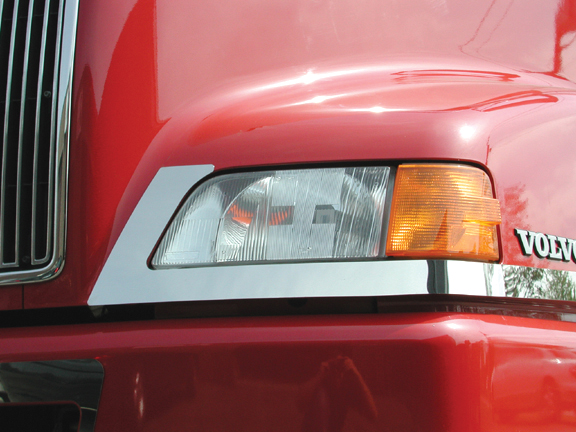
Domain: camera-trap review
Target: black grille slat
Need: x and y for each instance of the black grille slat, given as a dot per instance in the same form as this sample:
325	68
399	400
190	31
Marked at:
29	35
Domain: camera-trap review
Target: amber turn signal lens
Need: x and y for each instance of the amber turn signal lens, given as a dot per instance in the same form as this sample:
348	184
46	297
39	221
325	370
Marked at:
443	211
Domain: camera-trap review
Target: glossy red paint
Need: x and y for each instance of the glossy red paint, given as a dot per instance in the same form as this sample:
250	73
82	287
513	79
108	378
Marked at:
262	83
400	372
241	84
11	297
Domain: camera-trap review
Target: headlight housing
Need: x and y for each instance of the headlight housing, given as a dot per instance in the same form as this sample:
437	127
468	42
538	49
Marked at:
437	211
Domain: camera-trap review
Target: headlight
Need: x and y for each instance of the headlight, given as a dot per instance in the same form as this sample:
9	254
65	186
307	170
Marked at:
438	211
309	214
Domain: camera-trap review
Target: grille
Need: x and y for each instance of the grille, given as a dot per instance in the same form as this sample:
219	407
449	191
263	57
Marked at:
30	33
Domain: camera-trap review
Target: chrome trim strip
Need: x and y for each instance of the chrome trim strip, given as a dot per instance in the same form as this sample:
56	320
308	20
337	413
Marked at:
126	278
62	131
78	381
510	281
5	138
539	283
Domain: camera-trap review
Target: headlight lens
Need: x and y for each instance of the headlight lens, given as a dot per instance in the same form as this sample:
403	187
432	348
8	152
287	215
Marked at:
307	214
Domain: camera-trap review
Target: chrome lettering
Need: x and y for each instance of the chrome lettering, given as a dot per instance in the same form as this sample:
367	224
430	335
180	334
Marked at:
555	254
526	241
542	246
566	247
546	245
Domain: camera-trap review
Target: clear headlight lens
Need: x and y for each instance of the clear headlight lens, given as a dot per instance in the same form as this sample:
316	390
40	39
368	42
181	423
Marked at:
307	214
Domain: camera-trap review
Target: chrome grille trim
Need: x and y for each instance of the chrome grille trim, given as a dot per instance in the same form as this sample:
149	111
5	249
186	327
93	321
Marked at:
22	114
36	142
46	260
35	260
8	97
